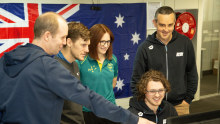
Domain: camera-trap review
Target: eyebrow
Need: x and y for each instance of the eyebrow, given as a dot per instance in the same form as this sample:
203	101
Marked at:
157	89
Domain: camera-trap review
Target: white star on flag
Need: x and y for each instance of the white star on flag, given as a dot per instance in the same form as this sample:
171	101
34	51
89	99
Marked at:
119	20
126	56
135	38
119	84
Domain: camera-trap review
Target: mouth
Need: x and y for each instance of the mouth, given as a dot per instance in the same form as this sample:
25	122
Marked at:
165	34
84	55
157	99
104	49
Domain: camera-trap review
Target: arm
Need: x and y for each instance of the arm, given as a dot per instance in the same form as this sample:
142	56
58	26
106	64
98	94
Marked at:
140	67
114	82
66	86
191	72
144	121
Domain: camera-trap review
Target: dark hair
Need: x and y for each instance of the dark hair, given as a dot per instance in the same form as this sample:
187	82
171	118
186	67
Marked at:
46	22
97	31
151	75
165	10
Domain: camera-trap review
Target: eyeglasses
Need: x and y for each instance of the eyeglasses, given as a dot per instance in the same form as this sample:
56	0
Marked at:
160	91
105	42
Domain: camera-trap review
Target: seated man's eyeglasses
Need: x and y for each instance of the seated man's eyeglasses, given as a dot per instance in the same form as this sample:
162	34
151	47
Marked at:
105	42
160	91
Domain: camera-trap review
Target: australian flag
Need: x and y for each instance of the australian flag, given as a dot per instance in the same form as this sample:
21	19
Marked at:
126	21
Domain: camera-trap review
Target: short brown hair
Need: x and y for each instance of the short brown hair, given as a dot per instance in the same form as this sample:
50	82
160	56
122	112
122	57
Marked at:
164	10
46	22
151	75
97	31
78	30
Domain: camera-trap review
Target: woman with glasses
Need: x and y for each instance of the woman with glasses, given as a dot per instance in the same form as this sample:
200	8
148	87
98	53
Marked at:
149	102
99	69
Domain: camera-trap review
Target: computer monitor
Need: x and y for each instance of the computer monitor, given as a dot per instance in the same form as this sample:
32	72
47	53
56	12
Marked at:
211	117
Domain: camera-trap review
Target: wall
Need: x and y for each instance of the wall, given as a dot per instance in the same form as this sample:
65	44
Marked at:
78	1
210	37
176	4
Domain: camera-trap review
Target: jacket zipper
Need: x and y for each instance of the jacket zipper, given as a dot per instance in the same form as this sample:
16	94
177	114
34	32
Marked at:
166	58
166	63
166	67
156	119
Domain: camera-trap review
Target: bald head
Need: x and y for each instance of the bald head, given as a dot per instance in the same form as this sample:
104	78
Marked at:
47	22
50	31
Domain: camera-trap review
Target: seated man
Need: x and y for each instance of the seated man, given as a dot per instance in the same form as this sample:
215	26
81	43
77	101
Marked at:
149	101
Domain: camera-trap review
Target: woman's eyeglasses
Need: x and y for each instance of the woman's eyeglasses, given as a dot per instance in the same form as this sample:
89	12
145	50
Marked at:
105	42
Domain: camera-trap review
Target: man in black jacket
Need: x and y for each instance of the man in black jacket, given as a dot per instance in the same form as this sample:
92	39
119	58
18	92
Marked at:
171	53
149	101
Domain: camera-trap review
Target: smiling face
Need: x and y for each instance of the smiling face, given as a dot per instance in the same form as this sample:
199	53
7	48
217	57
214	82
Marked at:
154	99
165	26
101	49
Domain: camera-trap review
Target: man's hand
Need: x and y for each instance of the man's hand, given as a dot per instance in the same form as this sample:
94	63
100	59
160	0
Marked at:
144	121
185	103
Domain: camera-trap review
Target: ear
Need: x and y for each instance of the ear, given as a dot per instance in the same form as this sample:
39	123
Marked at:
155	23
47	36
69	42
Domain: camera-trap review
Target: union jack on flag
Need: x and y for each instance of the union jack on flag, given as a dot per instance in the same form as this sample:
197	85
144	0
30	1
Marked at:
17	22
126	21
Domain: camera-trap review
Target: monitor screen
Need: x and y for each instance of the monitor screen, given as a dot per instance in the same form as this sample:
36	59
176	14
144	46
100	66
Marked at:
212	117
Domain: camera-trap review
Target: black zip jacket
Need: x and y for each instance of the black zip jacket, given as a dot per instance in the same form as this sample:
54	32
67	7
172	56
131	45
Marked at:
176	61
164	111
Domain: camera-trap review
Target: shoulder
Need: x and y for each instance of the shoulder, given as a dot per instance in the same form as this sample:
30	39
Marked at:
50	61
182	38
133	110
60	60
87	58
114	58
168	105
144	46
145	43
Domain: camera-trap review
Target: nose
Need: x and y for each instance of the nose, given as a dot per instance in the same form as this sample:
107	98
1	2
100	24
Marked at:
166	28
106	44
87	49
157	94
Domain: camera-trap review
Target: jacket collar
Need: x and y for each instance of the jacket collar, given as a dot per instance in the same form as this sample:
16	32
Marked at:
152	38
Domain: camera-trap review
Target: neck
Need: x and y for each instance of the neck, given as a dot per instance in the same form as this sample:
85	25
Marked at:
163	40
67	54
39	42
101	57
152	107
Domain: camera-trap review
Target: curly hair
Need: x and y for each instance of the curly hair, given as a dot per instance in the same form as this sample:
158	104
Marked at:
151	75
